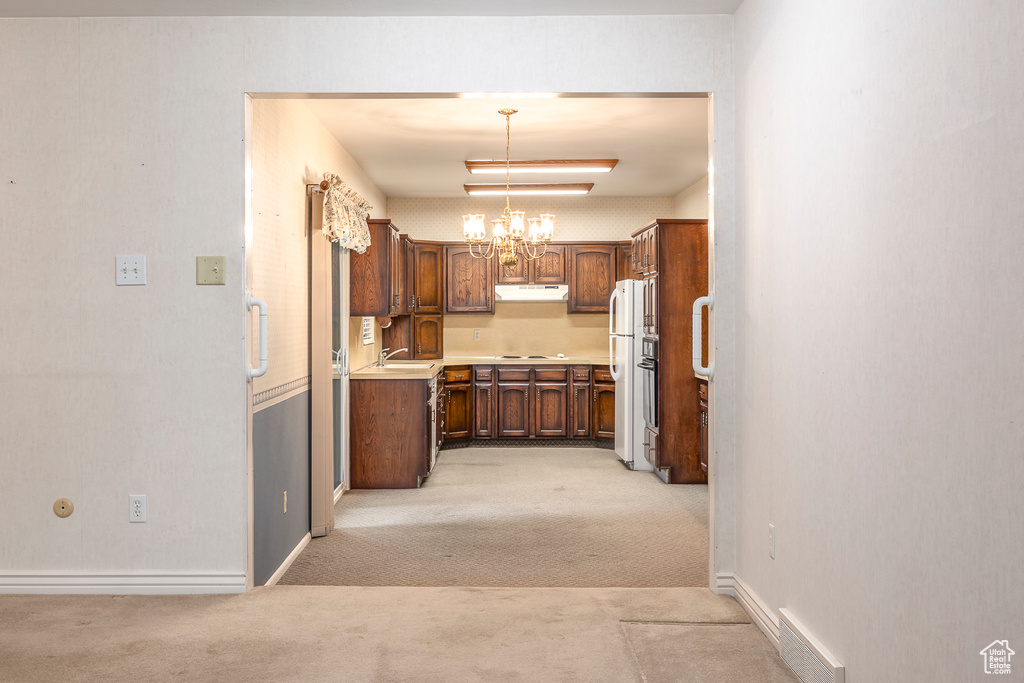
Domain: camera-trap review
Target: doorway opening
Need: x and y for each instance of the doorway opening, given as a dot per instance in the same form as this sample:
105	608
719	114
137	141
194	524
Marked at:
378	144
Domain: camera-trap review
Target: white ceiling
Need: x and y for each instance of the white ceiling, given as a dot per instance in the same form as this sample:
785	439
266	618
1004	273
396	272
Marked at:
358	8
416	147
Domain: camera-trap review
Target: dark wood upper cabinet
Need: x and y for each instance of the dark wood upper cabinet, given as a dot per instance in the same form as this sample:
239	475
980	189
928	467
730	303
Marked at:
518	275
469	282
428	336
409	273
549	269
428	277
591	277
373	275
624	266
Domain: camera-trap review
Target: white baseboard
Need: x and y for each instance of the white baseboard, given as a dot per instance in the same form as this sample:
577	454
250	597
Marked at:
276	576
121	583
766	620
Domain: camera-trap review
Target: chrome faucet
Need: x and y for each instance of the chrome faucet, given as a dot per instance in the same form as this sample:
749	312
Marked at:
384	355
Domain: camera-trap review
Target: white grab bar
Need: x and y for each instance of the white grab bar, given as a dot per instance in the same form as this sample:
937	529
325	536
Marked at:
698	337
251	301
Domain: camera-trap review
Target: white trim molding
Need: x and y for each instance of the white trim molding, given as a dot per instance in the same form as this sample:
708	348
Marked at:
754	606
121	583
276	576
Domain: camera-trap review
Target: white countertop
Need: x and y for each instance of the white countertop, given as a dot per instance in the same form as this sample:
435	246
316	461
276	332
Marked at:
413	369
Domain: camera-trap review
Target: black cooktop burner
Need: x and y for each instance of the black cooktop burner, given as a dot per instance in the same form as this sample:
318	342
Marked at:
536	356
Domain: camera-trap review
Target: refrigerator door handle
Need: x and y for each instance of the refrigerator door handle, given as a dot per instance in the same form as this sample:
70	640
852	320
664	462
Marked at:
611	357
611	311
698	337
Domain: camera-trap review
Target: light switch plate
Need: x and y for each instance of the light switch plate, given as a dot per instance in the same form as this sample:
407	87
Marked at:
131	269
209	270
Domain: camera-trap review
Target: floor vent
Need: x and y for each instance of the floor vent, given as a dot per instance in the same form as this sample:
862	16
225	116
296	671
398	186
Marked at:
808	659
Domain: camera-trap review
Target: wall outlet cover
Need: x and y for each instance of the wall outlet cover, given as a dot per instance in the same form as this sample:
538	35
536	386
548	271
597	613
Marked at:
210	270
136	508
130	270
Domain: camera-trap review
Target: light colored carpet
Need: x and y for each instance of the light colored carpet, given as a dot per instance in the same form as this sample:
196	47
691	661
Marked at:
327	633
555	517
705	653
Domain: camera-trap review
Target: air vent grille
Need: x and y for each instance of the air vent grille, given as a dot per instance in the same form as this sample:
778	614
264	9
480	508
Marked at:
811	662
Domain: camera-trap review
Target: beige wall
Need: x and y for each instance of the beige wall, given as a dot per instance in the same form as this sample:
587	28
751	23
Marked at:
533	328
692	202
880	335
143	120
290	149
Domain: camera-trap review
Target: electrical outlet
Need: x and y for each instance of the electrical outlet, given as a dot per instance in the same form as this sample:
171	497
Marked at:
130	270
476	335
286	502
136	508
771	541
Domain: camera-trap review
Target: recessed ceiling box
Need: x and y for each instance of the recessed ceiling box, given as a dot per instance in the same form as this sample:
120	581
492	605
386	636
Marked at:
531	292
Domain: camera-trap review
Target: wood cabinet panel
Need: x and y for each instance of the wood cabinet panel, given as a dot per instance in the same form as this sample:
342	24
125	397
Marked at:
549	269
549	416
469	282
458	411
591	277
517	275
370	276
604	410
428	336
428	277
390	433
399	335
513	409
579	410
408	287
483	410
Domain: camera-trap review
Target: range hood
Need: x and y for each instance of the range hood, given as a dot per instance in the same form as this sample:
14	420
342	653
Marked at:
531	292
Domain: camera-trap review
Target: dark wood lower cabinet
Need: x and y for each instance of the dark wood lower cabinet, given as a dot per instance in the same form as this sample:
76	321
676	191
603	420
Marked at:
483	411
458	402
390	433
604	410
579	403
513	409
549	409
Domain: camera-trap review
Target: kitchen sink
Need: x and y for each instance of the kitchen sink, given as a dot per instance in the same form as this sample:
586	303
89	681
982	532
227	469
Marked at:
406	366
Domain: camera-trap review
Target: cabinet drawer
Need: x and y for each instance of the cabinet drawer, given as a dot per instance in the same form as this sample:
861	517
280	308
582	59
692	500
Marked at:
602	373
483	372
459	374
581	374
513	374
549	374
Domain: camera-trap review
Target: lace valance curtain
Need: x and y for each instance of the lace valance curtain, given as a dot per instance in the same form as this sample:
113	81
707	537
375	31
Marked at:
345	215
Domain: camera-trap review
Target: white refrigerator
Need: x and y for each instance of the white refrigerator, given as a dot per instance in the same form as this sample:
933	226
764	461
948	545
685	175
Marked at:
625	331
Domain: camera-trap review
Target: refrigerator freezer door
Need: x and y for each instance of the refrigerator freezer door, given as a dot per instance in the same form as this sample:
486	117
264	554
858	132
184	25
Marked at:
624	424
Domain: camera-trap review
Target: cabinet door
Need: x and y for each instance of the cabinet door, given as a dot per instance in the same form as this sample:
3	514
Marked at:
513	409
409	271
518	275
623	261
604	411
591	277
636	258
459	412
483	411
428	277
652	289
549	269
428	336
395	271
470	282
579	410
549	405
652	250
370	275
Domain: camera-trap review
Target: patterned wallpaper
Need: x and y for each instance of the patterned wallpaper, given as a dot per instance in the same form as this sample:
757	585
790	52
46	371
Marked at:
576	218
290	148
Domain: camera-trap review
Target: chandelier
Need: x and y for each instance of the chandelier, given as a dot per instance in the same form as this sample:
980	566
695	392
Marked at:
510	236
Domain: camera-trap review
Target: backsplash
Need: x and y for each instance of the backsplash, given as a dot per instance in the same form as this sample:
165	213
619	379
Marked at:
525	329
